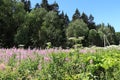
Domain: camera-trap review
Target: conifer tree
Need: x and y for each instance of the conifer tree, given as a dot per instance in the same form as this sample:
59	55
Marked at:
84	17
76	15
91	23
54	7
27	5
37	5
44	4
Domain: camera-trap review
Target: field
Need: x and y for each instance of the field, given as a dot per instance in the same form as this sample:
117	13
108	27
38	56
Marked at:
94	63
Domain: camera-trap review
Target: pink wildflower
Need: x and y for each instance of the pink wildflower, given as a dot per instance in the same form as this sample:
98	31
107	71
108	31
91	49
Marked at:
67	59
83	51
46	59
2	66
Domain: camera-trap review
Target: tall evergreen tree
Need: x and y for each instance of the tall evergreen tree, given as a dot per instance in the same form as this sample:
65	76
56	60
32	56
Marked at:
76	15
45	4
91	23
54	7
67	21
62	15
84	17
64	21
27	5
37	5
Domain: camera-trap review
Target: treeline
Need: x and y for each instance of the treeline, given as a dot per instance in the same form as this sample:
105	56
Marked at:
19	24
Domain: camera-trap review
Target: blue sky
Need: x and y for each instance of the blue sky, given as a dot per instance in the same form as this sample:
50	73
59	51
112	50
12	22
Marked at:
106	11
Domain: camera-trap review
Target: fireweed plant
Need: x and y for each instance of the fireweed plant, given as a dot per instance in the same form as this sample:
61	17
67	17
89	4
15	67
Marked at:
94	63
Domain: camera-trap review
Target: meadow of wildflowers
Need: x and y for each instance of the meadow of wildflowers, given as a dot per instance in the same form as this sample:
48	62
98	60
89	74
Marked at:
60	64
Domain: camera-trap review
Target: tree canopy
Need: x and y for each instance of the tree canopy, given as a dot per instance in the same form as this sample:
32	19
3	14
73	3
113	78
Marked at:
21	24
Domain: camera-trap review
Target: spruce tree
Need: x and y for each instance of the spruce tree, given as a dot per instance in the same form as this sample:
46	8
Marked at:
37	5
76	15
67	21
84	17
44	4
91	23
54	7
27	5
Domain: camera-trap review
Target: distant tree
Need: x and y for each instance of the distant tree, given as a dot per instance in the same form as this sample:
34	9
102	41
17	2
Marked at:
84	17
23	1
12	16
27	5
94	38
91	23
44	4
107	32
76	15
62	15
117	34
37	5
77	28
30	33
54	7
19	24
66	20
53	29
22	36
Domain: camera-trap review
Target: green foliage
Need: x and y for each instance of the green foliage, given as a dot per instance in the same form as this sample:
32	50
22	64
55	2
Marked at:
44	4
76	15
12	61
91	23
31	31
9	74
84	66
21	24
27	5
109	32
52	28
12	16
94	38
27	68
77	28
76	41
84	17
117	37
87	64
49	45
22	36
